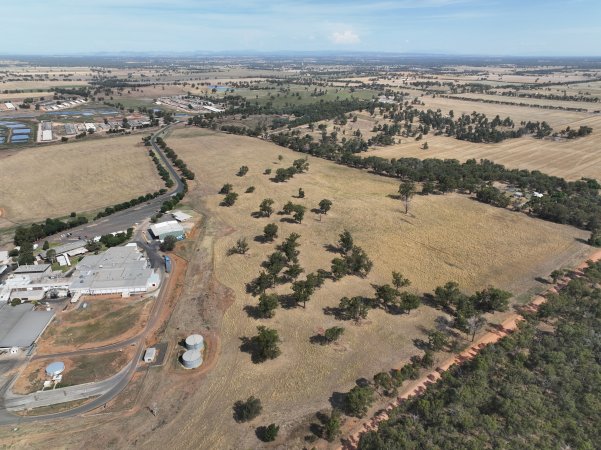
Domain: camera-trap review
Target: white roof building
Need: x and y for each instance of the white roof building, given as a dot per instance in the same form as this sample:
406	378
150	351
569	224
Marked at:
181	216
119	270
170	228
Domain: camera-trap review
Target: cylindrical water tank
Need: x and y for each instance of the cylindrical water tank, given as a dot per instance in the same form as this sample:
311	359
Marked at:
55	368
195	342
191	359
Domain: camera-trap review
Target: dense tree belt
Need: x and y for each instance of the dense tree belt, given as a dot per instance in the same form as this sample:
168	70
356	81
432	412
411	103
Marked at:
537	388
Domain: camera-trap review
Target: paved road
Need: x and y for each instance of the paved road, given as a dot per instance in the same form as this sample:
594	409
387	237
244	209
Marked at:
107	389
49	397
122	220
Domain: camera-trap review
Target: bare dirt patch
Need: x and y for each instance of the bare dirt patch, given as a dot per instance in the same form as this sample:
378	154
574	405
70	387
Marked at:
103	322
78	370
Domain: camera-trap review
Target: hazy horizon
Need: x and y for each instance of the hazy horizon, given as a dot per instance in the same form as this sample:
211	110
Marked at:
568	28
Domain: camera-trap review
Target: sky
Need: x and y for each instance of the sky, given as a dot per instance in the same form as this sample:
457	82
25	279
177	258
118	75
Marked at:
458	27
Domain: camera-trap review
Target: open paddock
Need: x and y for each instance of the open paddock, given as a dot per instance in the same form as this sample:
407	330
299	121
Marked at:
443	238
54	180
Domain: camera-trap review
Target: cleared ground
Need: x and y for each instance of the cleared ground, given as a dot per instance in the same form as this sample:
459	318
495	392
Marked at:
53	181
444	238
78	370
102	322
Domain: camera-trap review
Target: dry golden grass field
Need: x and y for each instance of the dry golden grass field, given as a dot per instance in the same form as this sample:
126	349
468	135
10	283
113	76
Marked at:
53	181
570	159
444	238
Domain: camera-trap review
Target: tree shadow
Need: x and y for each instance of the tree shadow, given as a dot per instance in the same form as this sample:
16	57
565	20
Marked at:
288	220
333	311
542	280
582	241
261	239
287	302
337	400
421	344
253	312
332	248
318	339
249	346
318	428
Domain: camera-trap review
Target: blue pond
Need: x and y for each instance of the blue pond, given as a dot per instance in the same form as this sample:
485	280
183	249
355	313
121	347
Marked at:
1	139
84	112
220	88
19	138
21	130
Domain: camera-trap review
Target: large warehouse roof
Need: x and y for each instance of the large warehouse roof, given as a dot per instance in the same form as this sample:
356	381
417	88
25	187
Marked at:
20	325
119	268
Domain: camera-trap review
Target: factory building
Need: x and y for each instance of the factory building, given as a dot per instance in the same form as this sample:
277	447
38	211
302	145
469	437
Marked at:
119	270
21	325
171	228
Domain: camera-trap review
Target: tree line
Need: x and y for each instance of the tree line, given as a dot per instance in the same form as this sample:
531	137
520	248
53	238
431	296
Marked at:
547	368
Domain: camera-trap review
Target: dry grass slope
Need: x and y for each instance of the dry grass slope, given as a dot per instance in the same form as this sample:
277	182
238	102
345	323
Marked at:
53	181
444	238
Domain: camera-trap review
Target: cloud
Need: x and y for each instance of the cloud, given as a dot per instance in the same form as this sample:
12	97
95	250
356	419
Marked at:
345	37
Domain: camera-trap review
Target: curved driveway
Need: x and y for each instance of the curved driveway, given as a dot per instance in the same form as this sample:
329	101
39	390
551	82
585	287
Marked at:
111	387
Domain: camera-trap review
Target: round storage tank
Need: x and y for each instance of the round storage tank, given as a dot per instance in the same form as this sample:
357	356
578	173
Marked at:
55	368
191	359
195	342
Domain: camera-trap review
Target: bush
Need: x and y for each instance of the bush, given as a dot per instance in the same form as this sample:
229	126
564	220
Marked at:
268	433
248	410
168	244
358	400
230	199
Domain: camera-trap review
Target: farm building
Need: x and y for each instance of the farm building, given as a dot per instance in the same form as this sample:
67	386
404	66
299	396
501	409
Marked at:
119	270
21	325
171	228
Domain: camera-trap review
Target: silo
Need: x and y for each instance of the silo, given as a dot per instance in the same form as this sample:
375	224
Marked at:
191	359
195	342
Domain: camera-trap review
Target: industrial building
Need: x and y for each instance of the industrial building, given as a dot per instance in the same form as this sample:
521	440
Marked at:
119	270
21	325
170	228
33	270
32	282
69	249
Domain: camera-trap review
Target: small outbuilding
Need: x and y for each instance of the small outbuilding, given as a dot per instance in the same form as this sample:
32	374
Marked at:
150	354
181	216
